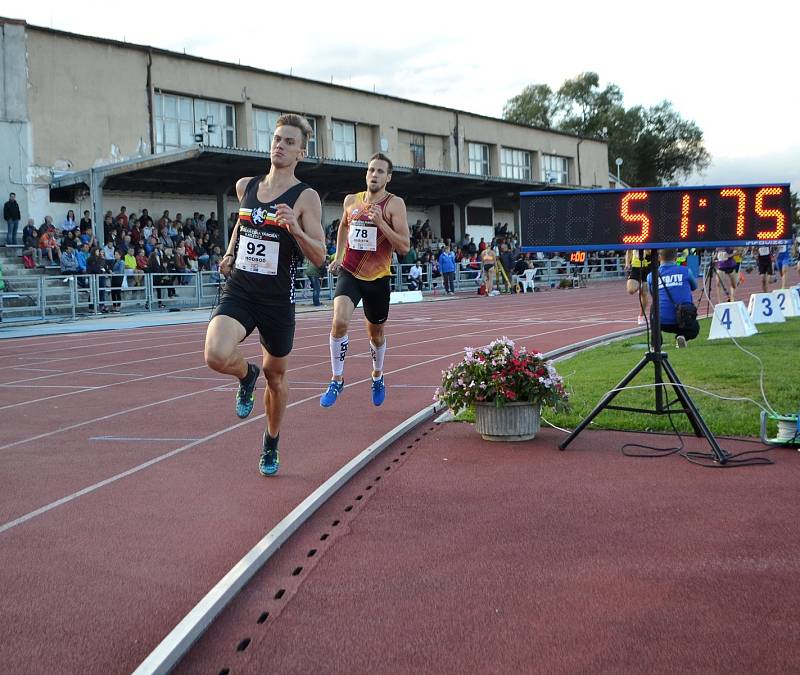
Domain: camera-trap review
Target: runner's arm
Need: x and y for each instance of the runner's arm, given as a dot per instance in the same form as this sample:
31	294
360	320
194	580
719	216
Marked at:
310	236
341	233
397	233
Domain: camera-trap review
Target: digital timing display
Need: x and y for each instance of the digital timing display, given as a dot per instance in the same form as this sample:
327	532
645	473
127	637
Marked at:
701	217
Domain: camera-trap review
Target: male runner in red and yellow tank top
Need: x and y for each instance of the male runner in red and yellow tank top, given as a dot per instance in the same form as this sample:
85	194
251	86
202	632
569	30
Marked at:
373	224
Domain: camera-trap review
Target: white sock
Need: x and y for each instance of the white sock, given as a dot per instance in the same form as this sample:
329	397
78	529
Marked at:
377	356
338	352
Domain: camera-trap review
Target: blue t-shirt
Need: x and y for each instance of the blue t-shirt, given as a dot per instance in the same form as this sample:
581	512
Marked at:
680	282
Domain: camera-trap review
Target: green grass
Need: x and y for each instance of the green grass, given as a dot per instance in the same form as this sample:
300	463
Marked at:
718	366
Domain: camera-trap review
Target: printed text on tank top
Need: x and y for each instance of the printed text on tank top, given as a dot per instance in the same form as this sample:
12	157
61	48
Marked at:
259	245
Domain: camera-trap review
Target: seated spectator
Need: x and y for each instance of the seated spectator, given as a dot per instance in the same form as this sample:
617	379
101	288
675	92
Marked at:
69	224
87	237
150	245
49	248
31	256
183	265
415	277
141	265
122	217
70	238
86	222
69	263
108	253
135	233
164	237
146	221
675	288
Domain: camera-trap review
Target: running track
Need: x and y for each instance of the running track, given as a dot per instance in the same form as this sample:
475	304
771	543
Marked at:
129	488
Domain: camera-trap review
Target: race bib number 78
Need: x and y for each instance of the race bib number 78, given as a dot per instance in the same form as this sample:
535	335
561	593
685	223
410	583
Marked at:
362	236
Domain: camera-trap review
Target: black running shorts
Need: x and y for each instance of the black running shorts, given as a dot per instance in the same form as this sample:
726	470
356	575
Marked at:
375	294
275	324
765	264
638	274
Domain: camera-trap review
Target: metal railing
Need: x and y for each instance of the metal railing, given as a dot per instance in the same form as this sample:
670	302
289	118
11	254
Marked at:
52	297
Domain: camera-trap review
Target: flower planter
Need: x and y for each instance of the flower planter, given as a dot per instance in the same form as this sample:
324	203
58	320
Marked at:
513	422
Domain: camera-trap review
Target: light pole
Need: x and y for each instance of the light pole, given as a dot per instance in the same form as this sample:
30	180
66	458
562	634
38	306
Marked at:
618	162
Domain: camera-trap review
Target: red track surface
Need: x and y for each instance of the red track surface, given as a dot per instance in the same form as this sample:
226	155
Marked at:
94	583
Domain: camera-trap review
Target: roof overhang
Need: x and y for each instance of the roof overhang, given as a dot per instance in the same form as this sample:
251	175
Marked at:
203	170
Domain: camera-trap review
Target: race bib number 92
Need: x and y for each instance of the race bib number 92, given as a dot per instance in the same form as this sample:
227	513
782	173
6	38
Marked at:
258	256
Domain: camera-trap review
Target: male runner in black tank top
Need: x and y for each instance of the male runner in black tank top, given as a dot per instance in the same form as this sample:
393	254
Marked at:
279	222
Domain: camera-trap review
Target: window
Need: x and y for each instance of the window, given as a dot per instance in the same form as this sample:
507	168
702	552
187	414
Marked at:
515	163
344	141
555	169
264	122
179	118
478	159
264	127
418	151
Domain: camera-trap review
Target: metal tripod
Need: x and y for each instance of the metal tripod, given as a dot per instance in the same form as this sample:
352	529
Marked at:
662	367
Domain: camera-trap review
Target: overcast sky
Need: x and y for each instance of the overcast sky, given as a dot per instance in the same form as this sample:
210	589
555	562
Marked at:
731	67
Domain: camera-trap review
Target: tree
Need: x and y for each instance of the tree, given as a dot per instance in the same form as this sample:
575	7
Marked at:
535	106
656	144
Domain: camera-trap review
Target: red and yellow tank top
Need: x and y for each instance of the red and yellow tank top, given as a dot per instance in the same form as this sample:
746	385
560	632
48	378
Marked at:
368	252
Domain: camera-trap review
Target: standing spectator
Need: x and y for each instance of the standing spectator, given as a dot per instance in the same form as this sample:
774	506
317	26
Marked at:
122	218
96	264
130	268
447	266
155	267
118	275
12	218
312	274
507	261
82	256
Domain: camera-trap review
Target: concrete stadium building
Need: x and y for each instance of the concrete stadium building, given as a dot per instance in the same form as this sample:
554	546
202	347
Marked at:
91	123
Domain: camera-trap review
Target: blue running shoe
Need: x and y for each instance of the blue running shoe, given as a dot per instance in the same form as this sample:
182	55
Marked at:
270	460
331	394
245	397
378	391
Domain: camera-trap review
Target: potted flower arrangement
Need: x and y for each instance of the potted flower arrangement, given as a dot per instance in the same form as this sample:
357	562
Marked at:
507	386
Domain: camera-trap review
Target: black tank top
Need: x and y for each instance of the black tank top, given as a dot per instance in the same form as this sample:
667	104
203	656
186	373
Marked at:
267	256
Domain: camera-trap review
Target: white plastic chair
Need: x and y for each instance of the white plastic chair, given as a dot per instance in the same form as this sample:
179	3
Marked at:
526	279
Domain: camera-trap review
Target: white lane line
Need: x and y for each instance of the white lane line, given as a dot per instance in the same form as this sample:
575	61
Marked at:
145	465
81	387
149	463
173	647
136	438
